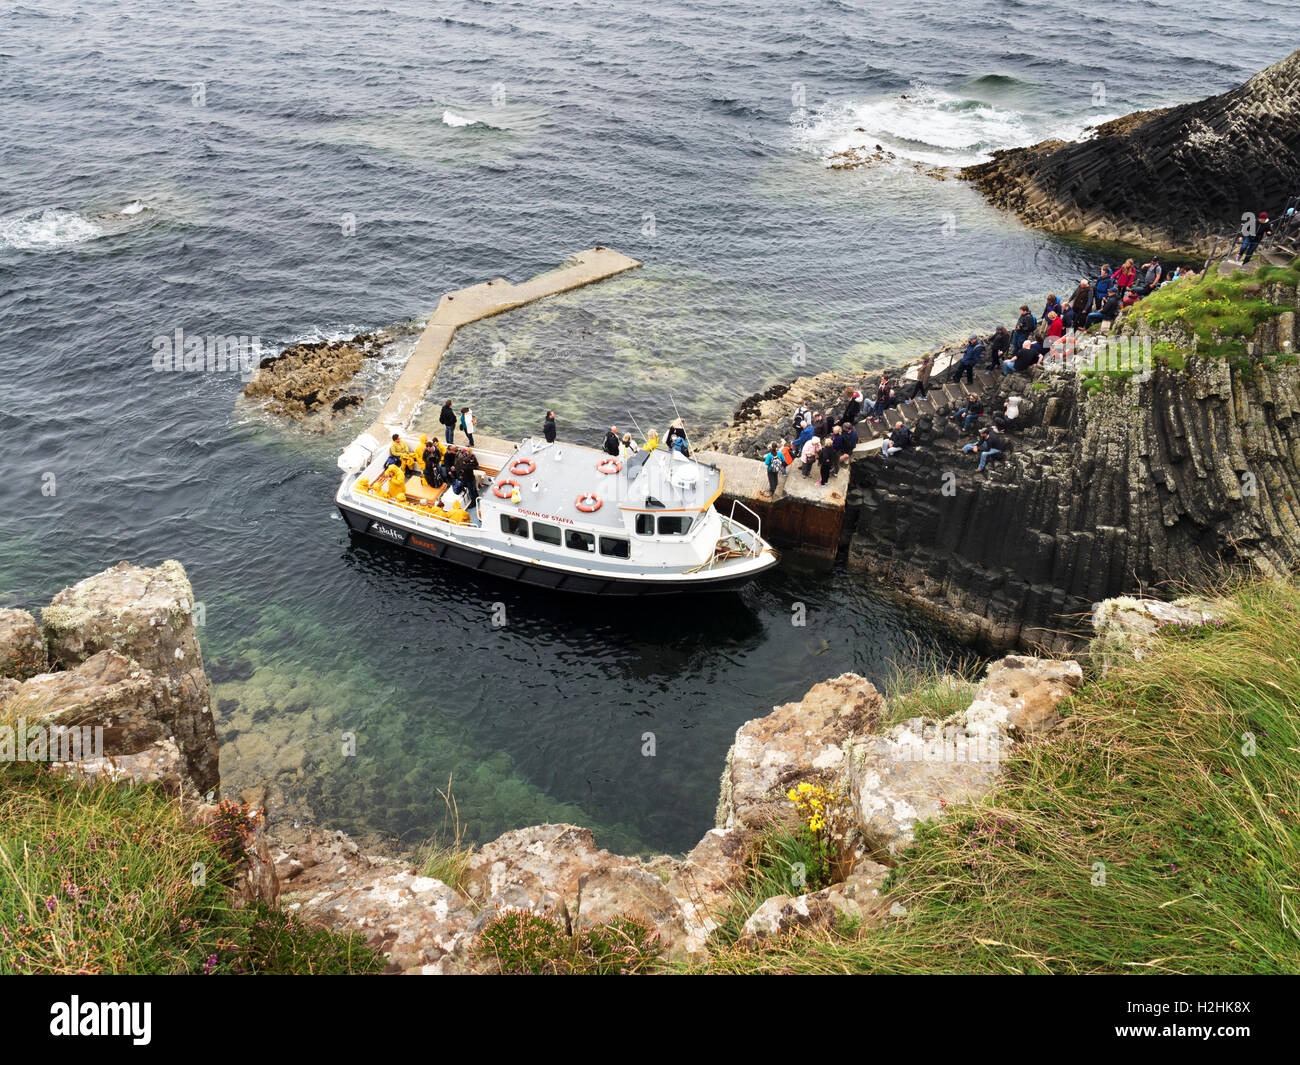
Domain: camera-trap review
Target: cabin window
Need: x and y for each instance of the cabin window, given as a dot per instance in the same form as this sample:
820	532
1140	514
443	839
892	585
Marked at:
512	526
579	541
614	547
547	534
645	525
673	525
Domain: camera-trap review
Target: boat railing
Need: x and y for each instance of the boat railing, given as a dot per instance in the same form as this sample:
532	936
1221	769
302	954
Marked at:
758	522
738	540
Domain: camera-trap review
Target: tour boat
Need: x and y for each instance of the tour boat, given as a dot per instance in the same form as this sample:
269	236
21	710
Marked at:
565	517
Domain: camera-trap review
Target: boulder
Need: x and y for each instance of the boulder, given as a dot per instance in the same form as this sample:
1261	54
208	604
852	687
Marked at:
145	615
536	868
1126	627
795	742
419	922
22	651
1020	695
858	898
705	881
136	709
631	891
913	774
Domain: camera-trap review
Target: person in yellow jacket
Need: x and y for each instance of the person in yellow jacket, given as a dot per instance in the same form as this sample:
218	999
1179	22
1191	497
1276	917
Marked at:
396	486
399	452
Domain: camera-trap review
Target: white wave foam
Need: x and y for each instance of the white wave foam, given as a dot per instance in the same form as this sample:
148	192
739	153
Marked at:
134	207
46	227
929	126
450	118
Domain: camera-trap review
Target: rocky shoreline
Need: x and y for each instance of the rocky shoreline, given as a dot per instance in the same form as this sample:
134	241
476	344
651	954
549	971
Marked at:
120	649
1173	179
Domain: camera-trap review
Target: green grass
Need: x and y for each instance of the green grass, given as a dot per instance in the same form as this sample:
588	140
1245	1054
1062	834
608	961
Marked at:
110	878
929	692
1152	781
1221	311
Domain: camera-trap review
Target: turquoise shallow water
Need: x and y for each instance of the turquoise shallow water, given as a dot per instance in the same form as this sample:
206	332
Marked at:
198	167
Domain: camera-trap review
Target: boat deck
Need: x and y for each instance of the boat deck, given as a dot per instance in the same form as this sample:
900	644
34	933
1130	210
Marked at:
565	474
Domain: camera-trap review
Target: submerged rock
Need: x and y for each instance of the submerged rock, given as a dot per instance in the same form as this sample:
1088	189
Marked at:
312	380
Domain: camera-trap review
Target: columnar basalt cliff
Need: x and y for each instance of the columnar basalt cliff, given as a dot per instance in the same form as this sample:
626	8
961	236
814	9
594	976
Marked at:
1170	178
1159	479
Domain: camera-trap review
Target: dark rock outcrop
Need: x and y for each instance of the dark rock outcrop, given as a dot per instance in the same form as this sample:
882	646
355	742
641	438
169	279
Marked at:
1169	179
1162	478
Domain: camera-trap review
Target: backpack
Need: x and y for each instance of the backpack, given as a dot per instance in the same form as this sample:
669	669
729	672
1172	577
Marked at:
462	424
801	415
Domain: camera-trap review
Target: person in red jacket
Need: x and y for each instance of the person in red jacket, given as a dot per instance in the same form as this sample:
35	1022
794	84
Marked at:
1124	277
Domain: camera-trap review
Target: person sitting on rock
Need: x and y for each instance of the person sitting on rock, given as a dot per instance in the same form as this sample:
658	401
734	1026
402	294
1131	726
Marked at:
854	406
1151	278
1055	326
969	416
399	452
899	440
1053	304
983	447
1109	308
849	437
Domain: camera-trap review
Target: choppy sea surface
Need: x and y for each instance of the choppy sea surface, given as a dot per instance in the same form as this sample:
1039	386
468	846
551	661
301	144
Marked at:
290	171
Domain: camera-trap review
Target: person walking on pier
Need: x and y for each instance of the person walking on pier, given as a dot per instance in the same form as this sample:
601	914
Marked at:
448	418
467	424
775	467
548	427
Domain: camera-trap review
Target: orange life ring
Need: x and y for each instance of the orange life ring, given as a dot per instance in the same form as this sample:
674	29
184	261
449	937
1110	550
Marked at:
522	467
509	491
609	465
588	507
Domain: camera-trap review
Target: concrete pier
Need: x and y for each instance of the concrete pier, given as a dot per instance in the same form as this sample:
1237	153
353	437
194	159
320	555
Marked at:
803	517
472	304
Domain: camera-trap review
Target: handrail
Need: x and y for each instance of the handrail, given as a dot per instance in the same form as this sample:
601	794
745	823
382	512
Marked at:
737	503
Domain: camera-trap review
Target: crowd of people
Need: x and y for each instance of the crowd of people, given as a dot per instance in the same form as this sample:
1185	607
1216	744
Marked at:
827	441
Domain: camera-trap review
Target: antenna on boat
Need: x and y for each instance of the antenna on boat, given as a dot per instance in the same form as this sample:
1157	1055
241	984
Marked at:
675	410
